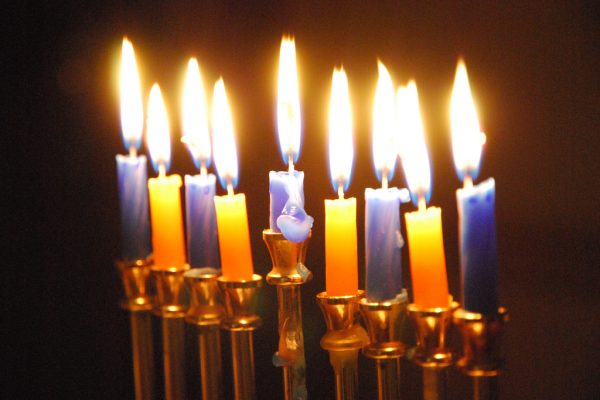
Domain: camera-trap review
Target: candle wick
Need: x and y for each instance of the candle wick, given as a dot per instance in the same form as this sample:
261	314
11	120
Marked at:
384	179
132	151
290	162
340	190
162	169
203	170
422	203
467	182
229	187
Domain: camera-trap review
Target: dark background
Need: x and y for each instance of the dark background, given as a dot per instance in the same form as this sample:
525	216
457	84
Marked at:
533	68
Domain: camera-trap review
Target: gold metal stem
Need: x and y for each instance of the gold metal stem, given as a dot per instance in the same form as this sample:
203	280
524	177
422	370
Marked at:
242	350
174	357
240	301
388	378
434	383
143	355
485	388
343	339
345	368
291	341
205	313
135	276
288	273
209	348
170	306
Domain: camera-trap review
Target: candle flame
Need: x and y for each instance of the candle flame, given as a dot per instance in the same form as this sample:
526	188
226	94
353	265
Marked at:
194	116
467	138
132	110
413	150
384	132
157	131
289	118
224	145
341	148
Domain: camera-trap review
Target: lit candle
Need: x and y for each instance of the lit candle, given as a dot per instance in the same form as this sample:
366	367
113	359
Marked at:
232	218
476	204
341	272
383	239
201	220
131	168
165	200
286	188
423	227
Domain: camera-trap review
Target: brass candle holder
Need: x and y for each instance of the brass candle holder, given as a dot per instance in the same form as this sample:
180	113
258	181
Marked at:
135	276
239	298
288	274
205	313
344	338
432	328
170	307
385	322
481	338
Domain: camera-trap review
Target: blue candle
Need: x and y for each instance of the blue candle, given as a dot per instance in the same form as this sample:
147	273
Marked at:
286	188
476	204
383	242
131	168
133	198
478	261
287	213
201	221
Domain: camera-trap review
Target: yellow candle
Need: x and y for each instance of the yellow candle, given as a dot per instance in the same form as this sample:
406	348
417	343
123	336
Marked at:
167	227
341	272
234	237
165	202
427	261
423	227
341	266
232	218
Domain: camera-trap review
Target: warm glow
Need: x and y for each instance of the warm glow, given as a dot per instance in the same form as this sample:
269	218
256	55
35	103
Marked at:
384	132
194	116
341	149
157	126
223	137
132	110
289	119
467	138
413	151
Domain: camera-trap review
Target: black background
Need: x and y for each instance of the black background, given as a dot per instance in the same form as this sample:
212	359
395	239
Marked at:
533	69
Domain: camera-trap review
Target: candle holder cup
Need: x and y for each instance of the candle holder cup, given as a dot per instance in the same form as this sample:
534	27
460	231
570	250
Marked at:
432	328
135	276
385	322
481	338
240	301
344	338
170	306
288	274
206	312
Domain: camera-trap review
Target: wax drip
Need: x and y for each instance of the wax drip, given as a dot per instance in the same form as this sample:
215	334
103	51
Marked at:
294	222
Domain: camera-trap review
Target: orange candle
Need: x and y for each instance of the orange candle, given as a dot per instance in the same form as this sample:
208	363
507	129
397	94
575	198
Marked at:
423	227
167	227
427	261
164	191
341	272
232	218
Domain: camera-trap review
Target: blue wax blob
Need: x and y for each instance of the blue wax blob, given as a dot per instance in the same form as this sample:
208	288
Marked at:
287	214
133	198
479	265
383	242
201	221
